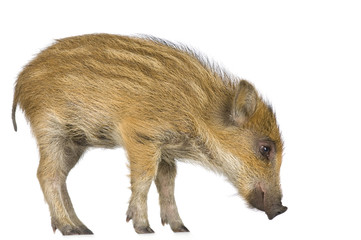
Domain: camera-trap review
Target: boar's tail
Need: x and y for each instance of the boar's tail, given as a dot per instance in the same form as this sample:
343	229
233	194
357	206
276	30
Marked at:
15	104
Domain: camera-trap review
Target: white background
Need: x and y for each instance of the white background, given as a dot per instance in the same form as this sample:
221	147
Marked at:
303	56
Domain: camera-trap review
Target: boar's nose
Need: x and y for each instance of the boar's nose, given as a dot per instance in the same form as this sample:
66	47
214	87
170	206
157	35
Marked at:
275	211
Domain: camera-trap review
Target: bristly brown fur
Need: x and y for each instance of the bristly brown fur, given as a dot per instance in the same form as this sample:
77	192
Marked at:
162	102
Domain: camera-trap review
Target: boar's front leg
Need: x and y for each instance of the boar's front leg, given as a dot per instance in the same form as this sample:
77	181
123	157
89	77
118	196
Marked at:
143	161
165	184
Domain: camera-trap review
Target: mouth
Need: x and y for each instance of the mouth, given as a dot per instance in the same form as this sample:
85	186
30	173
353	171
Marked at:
261	199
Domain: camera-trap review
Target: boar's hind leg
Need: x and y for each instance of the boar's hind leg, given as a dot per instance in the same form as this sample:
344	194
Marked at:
56	160
165	184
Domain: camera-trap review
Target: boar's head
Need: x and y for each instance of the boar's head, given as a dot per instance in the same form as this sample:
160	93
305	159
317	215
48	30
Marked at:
257	144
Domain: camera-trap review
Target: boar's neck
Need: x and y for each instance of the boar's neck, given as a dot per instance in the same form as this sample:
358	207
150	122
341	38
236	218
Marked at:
204	149
202	141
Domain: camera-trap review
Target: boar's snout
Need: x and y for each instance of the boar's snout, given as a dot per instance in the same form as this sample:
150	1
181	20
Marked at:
264	201
276	210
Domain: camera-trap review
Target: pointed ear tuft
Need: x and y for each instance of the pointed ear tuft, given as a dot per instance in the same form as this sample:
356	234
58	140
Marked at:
244	102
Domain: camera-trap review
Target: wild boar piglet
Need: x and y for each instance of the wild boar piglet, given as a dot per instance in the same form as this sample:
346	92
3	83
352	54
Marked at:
162	102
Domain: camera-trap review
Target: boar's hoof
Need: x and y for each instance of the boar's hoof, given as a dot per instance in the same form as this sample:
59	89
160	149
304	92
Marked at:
143	230
73	230
176	227
181	228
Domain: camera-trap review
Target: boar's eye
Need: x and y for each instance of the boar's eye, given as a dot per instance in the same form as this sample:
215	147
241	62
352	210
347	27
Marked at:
265	151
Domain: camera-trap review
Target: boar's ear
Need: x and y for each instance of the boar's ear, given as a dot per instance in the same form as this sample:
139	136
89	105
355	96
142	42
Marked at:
244	102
